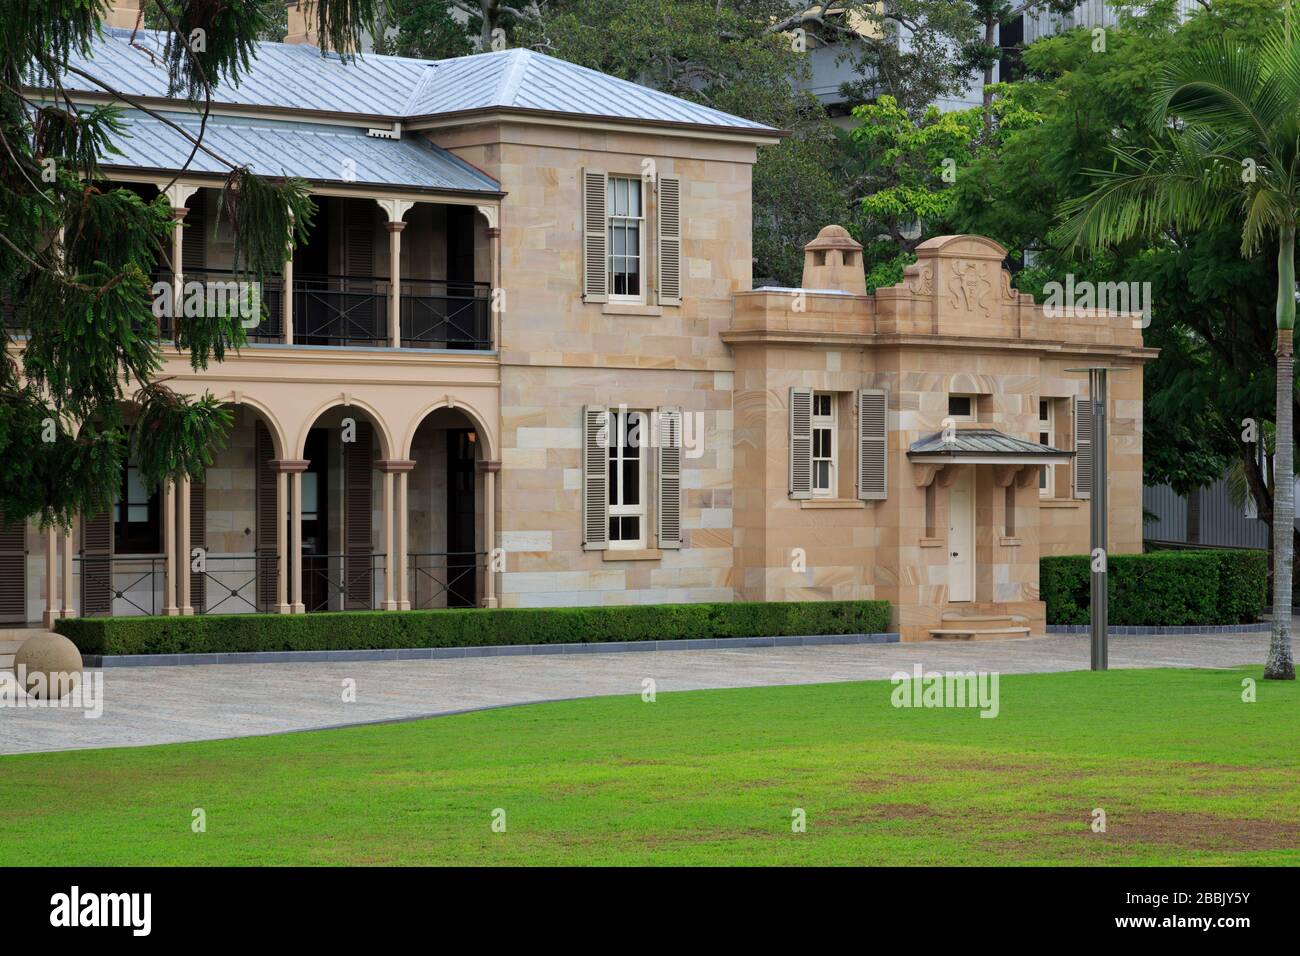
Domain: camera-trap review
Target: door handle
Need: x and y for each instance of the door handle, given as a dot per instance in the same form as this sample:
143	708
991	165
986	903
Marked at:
955	554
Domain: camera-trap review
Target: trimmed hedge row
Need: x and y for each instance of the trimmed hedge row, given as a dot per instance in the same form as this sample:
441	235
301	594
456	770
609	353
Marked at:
468	627
1161	588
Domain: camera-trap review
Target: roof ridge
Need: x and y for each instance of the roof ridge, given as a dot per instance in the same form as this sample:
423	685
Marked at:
513	76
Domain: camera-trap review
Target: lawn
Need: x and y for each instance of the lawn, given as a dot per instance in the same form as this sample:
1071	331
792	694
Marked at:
1185	771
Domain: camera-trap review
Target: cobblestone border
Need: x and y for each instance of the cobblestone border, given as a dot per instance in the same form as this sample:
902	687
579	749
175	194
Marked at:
504	650
1153	631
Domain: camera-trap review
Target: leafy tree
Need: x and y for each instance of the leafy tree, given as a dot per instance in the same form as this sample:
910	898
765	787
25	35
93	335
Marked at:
1225	141
76	256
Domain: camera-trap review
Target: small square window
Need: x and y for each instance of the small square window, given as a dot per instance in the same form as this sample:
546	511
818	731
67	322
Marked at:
960	406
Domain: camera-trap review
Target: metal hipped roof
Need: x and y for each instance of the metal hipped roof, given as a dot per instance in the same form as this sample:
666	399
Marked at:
300	78
984	446
527	80
315	152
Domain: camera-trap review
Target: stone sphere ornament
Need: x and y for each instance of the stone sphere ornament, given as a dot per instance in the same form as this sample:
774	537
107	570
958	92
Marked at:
48	666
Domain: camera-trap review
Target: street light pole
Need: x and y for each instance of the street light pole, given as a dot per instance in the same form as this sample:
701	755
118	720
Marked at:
1100	545
1099	508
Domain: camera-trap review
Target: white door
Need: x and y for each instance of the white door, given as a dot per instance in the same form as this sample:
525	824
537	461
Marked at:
961	537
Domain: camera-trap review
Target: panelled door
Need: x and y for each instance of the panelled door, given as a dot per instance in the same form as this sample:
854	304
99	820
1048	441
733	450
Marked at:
961	537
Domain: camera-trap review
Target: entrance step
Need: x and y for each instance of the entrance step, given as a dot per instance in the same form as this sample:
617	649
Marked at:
952	631
960	618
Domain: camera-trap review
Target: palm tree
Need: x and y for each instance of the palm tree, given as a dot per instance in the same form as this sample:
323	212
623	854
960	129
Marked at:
1225	145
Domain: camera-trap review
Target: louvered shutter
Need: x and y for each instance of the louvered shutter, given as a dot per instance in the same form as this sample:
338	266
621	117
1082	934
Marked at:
358	520
670	478
801	442
194	236
595	478
13	571
198	539
1082	448
268	518
360	311
670	242
97	563
873	444
595	236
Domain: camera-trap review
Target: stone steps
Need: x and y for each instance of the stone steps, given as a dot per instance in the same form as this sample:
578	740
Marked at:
955	632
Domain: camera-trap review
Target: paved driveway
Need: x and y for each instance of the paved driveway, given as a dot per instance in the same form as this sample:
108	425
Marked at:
155	705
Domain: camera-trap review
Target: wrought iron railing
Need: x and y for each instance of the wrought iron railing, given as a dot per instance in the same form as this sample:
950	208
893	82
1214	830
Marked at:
340	310
228	584
121	585
342	582
228	292
444	315
445	578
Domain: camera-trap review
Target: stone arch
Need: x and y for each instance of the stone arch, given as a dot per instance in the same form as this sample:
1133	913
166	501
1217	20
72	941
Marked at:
476	418
346	401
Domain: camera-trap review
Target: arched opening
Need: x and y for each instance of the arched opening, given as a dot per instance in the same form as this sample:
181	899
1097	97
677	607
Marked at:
342	512
445	510
234	520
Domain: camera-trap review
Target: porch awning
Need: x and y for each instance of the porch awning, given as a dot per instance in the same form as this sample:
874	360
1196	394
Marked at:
983	446
317	152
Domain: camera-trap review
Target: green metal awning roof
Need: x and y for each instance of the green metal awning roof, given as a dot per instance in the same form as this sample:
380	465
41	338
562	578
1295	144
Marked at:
979	446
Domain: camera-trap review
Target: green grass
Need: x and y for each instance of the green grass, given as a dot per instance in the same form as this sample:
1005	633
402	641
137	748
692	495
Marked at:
1186	772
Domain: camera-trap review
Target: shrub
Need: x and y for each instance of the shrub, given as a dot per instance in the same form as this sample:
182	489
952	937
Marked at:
468	627
1161	588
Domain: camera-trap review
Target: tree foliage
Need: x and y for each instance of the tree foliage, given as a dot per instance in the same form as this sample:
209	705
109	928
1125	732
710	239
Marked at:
78	255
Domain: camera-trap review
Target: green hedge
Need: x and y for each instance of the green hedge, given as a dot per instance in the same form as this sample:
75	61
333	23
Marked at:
470	627
1161	588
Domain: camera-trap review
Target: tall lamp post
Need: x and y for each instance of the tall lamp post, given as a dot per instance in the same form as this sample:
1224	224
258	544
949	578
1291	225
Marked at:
1099	611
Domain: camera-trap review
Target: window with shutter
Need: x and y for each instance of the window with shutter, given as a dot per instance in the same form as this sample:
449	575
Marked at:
268	519
595	241
97	563
13	571
873	444
595	482
361	313
669	265
198	539
670	478
1082	448
358	469
801	400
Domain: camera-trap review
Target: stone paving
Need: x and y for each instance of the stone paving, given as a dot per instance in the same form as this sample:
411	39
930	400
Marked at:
156	705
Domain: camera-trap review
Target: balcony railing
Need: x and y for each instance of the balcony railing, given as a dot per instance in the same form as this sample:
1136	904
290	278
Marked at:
341	310
446	315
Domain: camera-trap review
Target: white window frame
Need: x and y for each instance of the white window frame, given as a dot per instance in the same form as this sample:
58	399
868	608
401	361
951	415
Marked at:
1047	436
825	423
612	219
969	416
616	456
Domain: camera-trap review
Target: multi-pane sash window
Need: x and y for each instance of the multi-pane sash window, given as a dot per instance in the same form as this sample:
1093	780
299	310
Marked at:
136	515
1046	482
628	437
823	445
626	237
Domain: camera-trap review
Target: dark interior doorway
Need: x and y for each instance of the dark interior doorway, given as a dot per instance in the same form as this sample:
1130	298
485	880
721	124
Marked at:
315	523
462	573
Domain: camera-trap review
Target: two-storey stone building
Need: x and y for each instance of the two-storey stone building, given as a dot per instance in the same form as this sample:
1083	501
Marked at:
519	362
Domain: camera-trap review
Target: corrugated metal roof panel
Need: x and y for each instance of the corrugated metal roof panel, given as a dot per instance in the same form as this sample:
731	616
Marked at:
317	152
299	77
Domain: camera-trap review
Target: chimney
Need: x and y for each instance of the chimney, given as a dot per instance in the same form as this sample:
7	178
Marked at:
834	261
124	13
303	20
